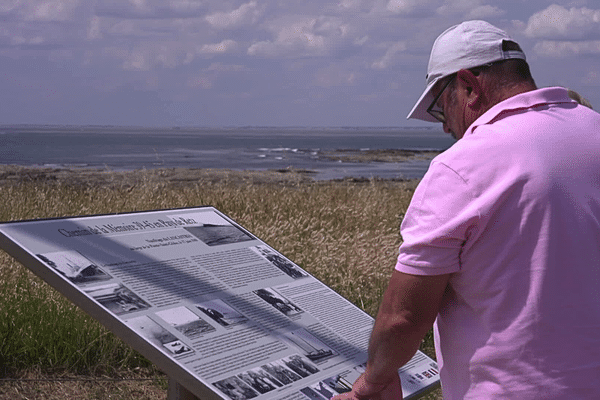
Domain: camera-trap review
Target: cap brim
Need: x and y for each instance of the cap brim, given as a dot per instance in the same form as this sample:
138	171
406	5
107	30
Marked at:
419	111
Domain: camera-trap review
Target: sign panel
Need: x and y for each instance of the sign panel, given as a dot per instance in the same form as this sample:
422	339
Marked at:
209	303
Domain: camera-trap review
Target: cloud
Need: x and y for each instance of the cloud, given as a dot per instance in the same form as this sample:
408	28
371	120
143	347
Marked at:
246	14
390	55
40	10
334	75
412	7
49	10
210	76
592	78
150	55
566	32
94	29
200	82
8	6
220	67
484	12
556	22
158	9
469	9
31	41
219	48
300	37
351	5
556	48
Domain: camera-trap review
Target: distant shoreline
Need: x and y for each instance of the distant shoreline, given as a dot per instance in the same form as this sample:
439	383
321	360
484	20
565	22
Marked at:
90	177
204	128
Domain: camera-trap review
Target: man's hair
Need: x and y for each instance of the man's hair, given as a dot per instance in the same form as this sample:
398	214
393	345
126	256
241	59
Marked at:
500	75
506	74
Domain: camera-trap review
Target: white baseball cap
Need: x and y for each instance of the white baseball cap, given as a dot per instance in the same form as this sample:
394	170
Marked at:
464	46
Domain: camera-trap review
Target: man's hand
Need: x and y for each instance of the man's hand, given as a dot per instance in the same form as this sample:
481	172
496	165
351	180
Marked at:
407	311
364	390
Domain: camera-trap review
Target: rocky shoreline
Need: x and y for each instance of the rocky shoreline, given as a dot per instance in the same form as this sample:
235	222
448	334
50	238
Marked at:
81	176
14	174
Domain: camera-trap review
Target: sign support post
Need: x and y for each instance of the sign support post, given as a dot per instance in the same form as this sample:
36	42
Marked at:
176	391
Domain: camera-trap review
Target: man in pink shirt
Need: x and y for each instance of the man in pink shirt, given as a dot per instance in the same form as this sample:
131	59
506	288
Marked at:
501	241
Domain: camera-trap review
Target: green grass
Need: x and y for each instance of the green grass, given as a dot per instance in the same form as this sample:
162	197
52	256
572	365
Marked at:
41	329
344	233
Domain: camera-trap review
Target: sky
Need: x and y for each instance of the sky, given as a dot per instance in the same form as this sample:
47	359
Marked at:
261	62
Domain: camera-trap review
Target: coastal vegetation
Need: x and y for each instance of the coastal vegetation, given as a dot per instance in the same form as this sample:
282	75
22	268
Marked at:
346	233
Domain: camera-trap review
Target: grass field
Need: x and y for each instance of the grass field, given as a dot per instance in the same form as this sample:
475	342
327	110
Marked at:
346	233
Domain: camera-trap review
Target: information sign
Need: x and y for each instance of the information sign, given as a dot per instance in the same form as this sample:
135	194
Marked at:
213	306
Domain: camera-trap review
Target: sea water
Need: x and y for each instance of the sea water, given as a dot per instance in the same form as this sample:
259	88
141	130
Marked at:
237	148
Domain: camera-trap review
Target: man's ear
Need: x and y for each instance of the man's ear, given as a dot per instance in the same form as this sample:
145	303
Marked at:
471	87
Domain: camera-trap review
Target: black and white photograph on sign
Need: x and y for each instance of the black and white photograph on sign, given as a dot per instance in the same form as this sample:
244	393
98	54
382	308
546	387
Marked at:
260	372
343	382
280	262
117	298
281	372
216	235
360	369
186	322
339	384
235	388
300	365
324	389
222	313
278	301
158	335
257	382
311	394
311	347
74	266
177	347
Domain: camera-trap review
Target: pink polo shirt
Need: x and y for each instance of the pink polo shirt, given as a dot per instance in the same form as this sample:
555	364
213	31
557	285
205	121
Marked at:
512	211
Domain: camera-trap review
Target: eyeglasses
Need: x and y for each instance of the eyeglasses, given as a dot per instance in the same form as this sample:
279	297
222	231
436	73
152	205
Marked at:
438	113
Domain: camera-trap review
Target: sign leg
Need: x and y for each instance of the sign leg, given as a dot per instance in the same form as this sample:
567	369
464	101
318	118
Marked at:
177	392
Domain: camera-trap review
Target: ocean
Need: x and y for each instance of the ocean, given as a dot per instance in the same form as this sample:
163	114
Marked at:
237	148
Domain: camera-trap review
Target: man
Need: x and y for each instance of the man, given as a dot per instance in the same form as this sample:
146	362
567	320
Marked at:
502	236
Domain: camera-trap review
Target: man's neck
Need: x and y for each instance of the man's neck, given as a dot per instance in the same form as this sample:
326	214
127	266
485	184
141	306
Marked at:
509	92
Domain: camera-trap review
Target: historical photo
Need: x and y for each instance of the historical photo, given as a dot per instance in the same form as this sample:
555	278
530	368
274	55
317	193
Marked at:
263	374
222	313
343	382
300	365
186	322
74	266
235	388
158	335
280	262
311	347
216	235
324	389
311	394
259	382
117	298
278	301
281	372
339	384
177	347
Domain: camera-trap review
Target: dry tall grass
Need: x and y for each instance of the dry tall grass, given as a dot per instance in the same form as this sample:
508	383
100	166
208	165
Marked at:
344	233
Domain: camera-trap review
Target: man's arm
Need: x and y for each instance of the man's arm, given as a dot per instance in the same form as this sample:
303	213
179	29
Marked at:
409	307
